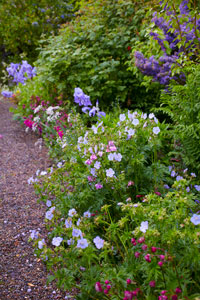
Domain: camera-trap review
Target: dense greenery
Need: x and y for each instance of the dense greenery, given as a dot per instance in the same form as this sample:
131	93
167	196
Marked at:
23	22
122	193
92	52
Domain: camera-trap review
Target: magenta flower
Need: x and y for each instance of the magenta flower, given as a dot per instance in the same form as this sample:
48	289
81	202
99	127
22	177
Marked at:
152	283
98	287
98	186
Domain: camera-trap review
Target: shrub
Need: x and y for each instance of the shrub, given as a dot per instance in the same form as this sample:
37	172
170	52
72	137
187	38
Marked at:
92	52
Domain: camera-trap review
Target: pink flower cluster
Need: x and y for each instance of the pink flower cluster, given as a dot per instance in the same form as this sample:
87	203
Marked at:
111	147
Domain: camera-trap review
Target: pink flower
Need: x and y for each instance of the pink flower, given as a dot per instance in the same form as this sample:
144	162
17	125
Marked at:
88	162
158	193
141	240
178	290
1	136
137	254
98	287
106	291
144	247
160	263
131	183
148	258
93	157
174	297
91	178
128	281
98	186
100	153
107	281
128	295
60	133
153	249
152	283
162	257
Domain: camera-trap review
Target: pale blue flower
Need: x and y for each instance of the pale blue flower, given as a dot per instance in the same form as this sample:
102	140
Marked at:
82	243
178	178
49	215
98	242
6	94
122	117
78	222
151	116
76	232
166	186
72	212
144	116
34	234
68	223
110	172
173	174
135	122
97	165
188	189
197	187
57	241
110	156
144	226
155	120
87	214
195	219
41	244
70	242
93	171
118	156
170	168
131	132
193	175
156	130
48	203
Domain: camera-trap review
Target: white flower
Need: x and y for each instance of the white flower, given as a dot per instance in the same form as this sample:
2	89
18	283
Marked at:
151	116
131	132
97	165
111	157
41	244
37	109
118	156
122	117
156	130
31	180
110	172
135	122
72	212
43	173
95	129
144	116
155	120
144	226
36	119
57	241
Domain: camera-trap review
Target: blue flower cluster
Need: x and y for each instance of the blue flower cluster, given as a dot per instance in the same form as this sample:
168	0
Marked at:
160	69
84	100
21	72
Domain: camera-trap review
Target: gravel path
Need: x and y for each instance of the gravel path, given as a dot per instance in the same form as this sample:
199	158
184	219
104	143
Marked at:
22	275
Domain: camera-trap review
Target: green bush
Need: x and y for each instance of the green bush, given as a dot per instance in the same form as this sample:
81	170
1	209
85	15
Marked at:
182	105
92	52
23	22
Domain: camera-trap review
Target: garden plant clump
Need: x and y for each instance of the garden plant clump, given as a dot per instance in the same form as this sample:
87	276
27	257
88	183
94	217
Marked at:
122	194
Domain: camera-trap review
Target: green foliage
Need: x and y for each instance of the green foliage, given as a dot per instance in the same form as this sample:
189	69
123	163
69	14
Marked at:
92	53
23	22
182	104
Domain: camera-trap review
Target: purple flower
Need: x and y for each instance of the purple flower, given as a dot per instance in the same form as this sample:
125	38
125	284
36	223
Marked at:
98	242
98	186
57	241
173	174
70	242
122	117
195	219
7	94
197	187
178	178
48	203
82	243
144	226
81	98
